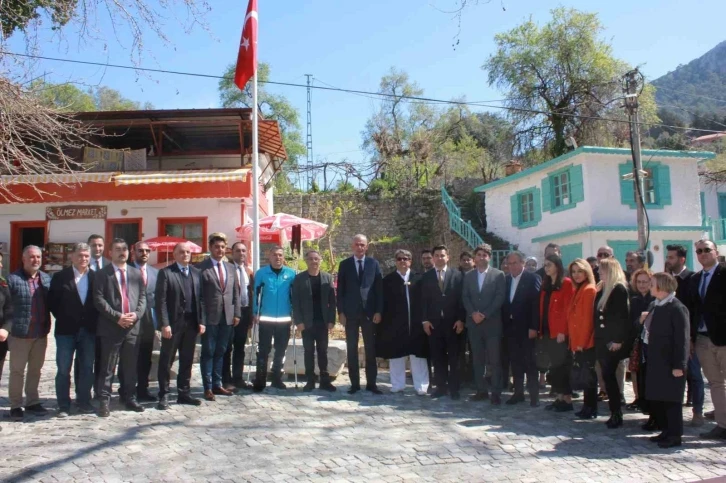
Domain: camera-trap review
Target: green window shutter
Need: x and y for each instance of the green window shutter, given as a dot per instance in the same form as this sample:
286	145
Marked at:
703	208
663	184
537	205
627	196
570	253
514	203
577	189
546	194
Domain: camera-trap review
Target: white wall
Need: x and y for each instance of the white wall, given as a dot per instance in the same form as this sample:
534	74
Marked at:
711	191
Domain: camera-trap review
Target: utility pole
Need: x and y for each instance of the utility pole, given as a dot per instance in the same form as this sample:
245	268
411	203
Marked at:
309	136
632	86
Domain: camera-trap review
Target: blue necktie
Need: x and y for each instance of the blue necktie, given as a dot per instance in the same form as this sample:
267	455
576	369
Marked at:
702	293
184	271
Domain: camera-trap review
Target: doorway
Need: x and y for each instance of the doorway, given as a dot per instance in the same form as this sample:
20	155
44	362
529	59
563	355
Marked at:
22	234
128	229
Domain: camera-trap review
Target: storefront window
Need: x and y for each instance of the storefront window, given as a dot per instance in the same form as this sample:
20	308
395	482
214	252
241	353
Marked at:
191	229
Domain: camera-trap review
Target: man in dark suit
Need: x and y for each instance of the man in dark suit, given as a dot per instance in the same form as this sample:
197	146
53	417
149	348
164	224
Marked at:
360	304
180	309
220	290
234	358
443	314
676	265
70	300
313	311
119	295
520	315
97	262
149	321
708	328
483	296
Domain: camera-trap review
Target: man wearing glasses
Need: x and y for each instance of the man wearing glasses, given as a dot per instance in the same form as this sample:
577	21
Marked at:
148	321
602	252
708	329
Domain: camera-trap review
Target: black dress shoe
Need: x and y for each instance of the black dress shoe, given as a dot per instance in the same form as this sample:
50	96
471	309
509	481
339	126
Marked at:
716	433
496	400
163	403
186	399
242	384
669	443
658	438
455	396
651	425
575	395
564	407
615	421
438	393
133	405
479	396
553	405
145	396
633	406
516	398
36	409
103	411
327	386
374	389
586	413
353	389
309	386
534	403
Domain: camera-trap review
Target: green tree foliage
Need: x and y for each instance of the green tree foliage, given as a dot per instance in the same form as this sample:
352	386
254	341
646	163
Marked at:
272	106
414	144
559	78
18	14
69	98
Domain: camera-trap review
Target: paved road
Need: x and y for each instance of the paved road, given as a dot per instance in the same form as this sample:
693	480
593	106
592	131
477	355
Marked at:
296	436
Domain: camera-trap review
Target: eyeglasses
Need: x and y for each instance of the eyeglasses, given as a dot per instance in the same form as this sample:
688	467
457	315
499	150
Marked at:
603	255
402	259
143	250
704	250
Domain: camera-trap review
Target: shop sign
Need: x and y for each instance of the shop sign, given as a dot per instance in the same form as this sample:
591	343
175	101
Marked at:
76	212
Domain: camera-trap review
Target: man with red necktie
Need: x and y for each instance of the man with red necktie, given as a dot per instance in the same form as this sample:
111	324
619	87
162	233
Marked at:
148	322
119	295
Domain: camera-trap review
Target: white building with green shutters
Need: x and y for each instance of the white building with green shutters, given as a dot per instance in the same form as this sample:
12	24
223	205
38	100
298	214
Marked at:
581	202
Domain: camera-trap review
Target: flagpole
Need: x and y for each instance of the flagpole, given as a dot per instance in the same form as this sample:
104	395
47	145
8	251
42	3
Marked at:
255	180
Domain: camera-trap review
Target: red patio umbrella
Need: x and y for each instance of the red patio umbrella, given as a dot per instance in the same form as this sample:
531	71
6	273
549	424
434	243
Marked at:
167	243
309	229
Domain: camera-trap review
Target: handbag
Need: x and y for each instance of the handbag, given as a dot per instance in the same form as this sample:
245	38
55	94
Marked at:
634	362
549	353
582	374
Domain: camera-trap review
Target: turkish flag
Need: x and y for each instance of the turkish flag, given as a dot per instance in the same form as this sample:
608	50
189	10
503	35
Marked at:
247	57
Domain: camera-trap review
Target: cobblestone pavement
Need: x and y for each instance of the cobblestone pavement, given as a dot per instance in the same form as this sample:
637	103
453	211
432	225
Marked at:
296	436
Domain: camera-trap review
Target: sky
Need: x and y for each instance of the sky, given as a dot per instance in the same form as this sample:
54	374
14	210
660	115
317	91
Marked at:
353	44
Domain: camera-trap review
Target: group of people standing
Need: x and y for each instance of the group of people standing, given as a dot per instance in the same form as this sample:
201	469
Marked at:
579	323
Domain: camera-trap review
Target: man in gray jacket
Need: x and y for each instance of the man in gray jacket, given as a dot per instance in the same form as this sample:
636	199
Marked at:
313	312
483	296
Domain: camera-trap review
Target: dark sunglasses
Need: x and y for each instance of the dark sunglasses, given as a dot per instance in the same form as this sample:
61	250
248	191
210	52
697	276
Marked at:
603	255
704	250
402	259
143	250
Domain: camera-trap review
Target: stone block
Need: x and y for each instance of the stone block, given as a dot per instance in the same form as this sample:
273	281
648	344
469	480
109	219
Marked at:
337	356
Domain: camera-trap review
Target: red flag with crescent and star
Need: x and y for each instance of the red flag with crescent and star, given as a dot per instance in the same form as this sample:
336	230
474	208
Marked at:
247	57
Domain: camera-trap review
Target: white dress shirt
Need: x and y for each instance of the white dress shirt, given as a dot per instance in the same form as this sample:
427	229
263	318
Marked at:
481	277
224	270
81	280
357	266
515	283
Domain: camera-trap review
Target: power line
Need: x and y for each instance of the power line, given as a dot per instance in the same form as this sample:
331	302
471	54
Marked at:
688	93
355	91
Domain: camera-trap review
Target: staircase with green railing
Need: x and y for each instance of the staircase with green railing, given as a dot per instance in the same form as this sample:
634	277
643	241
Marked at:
464	228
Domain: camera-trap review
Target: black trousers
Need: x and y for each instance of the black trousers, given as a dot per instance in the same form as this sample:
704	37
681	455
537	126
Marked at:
445	343
281	334
522	359
183	340
644	403
353	325
115	350
3	353
669	416
560	376
587	357
146	347
609	366
234	359
316	338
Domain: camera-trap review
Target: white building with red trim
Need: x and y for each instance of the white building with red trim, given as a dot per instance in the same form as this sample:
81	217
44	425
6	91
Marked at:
190	175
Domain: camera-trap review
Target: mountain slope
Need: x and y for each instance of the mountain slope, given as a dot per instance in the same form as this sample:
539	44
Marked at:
704	76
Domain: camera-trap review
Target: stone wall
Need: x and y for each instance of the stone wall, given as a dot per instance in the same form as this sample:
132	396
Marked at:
409	222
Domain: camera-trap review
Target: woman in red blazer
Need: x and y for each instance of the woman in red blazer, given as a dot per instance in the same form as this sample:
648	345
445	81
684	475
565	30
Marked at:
582	329
554	301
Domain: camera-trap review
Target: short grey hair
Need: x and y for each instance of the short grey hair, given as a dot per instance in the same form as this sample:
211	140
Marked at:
310	252
518	254
360	236
81	247
30	248
403	252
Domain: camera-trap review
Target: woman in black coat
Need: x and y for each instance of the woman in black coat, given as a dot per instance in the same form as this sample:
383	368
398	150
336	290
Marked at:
400	333
4	315
613	332
640	301
668	335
